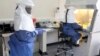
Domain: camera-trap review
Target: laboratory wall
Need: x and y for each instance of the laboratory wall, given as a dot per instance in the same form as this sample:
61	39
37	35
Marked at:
42	9
7	8
45	9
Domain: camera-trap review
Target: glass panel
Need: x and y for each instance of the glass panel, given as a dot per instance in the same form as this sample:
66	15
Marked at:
84	17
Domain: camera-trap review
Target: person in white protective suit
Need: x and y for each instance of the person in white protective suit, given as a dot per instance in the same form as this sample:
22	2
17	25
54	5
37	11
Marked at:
21	42
71	15
71	28
23	17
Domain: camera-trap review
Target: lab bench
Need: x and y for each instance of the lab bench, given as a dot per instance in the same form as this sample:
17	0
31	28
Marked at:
49	36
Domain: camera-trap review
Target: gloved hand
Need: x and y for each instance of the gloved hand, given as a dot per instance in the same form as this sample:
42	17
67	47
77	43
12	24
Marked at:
39	31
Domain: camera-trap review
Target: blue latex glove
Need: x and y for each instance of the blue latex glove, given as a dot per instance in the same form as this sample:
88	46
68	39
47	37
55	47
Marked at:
39	30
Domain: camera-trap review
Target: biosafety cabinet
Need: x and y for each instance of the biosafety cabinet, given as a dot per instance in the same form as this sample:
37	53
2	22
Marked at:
88	16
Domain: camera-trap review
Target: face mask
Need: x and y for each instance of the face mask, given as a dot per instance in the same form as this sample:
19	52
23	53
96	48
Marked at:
28	9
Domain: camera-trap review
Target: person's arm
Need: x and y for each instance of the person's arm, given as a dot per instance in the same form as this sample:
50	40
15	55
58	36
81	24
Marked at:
38	31
77	27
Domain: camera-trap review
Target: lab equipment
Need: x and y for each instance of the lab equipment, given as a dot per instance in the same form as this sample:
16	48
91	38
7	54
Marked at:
94	40
6	27
1	47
